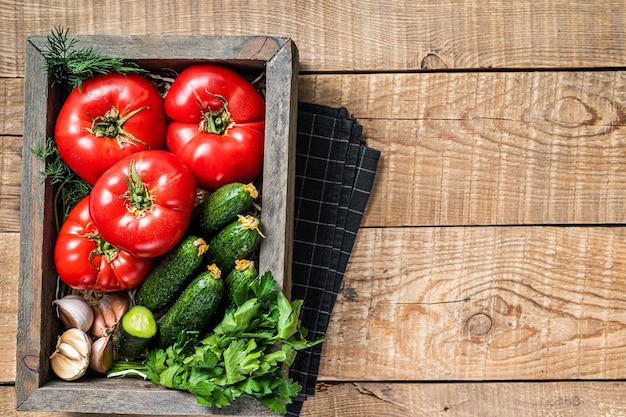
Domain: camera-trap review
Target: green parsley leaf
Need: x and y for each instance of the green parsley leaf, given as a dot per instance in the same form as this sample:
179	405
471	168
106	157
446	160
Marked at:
245	354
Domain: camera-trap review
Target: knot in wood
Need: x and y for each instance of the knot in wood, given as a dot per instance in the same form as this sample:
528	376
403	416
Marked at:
479	324
433	61
31	362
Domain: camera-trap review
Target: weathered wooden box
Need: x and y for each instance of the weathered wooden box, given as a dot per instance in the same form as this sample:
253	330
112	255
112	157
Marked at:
37	388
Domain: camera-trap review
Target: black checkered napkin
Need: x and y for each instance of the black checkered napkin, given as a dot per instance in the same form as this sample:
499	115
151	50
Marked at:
334	176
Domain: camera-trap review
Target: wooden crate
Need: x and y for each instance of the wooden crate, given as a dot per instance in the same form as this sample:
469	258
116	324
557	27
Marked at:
37	388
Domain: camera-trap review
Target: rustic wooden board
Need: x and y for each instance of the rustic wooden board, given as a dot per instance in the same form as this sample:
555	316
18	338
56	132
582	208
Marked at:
9	256
504	399
475	148
489	147
481	303
35	340
12	106
563	399
276	59
10	182
358	36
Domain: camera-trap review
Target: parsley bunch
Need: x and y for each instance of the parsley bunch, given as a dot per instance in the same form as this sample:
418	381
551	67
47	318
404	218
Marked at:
247	353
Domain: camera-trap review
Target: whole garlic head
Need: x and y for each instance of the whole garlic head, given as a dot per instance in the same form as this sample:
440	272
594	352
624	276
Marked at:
70	359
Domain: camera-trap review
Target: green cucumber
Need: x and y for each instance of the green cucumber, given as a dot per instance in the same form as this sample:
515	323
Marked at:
238	281
223	206
134	332
168	278
238	240
195	307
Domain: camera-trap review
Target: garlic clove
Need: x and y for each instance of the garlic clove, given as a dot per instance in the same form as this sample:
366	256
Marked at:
102	355
69	351
99	328
70	359
119	303
74	311
65	368
107	313
77	339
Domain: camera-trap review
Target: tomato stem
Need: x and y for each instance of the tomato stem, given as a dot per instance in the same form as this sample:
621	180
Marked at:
103	247
139	200
216	121
111	126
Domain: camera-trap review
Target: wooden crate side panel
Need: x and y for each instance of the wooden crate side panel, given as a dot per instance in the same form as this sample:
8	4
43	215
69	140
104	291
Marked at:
179	51
279	170
36	325
131	396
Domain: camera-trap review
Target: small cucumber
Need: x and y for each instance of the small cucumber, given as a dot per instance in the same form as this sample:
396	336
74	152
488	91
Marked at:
238	281
134	332
195	307
238	240
168	278
223	206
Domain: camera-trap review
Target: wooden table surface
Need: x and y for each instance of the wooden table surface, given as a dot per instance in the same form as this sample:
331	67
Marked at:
489	275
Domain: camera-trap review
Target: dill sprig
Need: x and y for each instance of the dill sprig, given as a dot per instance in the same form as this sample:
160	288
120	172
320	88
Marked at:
70	66
70	187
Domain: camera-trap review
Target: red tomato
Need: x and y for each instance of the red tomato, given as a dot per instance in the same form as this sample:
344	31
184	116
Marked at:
218	125
143	203
109	118
85	261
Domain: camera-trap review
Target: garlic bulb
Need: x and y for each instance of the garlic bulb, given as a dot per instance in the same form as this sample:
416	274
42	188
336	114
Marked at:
74	311
102	355
70	359
107	313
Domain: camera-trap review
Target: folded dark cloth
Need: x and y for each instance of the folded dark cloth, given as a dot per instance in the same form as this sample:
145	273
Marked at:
334	176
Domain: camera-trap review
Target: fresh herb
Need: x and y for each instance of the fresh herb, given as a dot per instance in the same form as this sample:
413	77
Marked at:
246	353
70	187
70	66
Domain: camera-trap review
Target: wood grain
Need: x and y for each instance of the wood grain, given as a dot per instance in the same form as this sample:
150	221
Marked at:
476	148
481	303
9	255
358	36
563	399
504	399
10	182
489	148
11	106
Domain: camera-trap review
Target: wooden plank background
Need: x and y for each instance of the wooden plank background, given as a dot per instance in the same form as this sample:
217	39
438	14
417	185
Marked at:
492	247
356	35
